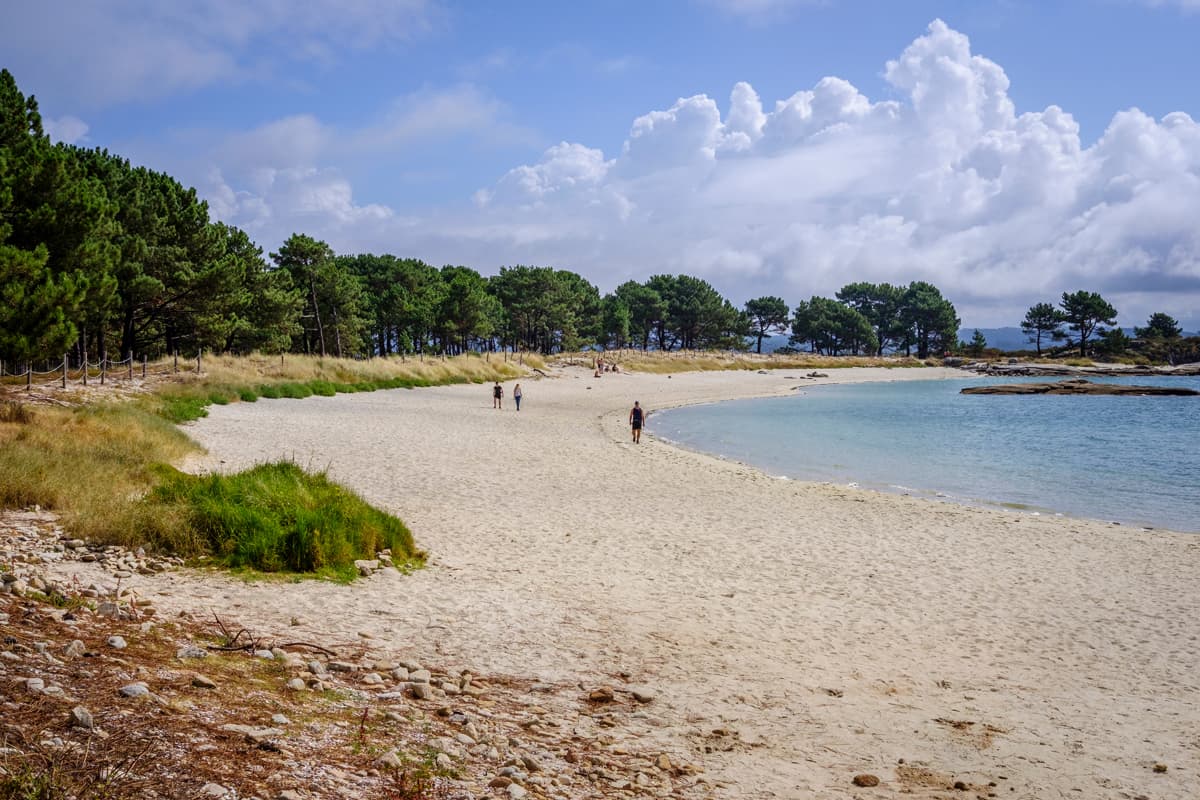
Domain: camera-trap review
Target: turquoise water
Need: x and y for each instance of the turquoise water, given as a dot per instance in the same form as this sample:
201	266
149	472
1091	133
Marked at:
1134	460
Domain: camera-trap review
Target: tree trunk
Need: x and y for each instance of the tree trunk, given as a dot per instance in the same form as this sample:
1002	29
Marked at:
312	285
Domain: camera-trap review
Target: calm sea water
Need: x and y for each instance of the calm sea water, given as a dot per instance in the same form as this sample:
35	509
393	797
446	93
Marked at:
1134	460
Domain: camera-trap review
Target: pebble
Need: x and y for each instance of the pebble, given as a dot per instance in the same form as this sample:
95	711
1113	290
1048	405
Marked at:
419	676
116	642
296	685
203	682
191	651
138	689
214	790
865	779
421	691
75	649
280	719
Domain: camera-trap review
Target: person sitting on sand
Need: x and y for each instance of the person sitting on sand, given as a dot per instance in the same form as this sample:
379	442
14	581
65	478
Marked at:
497	395
637	418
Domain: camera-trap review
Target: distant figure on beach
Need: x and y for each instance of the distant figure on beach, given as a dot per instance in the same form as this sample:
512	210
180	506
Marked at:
517	396
497	395
637	418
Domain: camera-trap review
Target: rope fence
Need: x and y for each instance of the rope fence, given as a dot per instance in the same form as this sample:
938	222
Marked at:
104	369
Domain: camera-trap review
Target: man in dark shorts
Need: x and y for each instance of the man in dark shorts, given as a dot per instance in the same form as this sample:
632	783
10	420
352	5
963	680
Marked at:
497	394
637	418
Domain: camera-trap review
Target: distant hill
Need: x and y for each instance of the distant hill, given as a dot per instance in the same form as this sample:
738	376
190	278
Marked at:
1014	339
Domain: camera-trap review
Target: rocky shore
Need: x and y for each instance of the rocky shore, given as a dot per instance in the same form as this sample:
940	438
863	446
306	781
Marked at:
100	691
1025	368
1080	386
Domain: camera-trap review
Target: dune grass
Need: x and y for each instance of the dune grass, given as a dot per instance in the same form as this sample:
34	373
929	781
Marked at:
103	466
226	379
85	462
276	517
691	361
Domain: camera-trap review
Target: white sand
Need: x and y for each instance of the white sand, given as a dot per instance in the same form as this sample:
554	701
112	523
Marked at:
829	630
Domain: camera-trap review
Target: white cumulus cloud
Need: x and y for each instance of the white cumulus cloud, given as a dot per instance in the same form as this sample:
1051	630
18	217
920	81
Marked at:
948	183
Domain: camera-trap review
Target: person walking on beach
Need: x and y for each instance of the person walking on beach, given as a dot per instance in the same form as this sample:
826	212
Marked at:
497	395
637	417
517	396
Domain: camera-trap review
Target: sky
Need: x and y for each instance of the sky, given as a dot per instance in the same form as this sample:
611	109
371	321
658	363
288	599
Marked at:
1006	151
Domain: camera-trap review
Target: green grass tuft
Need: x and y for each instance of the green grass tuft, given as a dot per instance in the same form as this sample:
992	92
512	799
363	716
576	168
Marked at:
322	388
247	395
276	517
183	408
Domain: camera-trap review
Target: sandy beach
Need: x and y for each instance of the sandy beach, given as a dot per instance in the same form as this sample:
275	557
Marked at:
794	634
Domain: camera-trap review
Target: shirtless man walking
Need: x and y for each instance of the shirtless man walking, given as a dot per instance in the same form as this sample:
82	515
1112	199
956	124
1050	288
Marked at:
637	418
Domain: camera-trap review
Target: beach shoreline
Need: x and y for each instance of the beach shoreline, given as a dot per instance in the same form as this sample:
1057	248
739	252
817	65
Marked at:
794	634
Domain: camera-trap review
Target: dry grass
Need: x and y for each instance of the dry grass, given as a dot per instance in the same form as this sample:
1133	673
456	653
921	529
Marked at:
257	369
693	361
86	462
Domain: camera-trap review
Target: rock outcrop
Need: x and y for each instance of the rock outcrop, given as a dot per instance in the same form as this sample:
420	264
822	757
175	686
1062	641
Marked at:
1079	386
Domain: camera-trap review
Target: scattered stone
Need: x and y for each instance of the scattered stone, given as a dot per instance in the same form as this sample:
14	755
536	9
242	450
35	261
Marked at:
138	689
365	567
602	695
317	668
266	654
500	782
280	719
191	651
339	666
663	762
419	676
516	791
109	609
203	682
214	790
421	691
253	733
373	679
642	694
865	779
75	649
1160	767
296	685
116	642
389	760
35	685
81	718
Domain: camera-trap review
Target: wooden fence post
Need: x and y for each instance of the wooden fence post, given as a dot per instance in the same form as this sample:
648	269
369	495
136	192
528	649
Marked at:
199	350
85	366
28	376
103	364
177	360
143	366
131	366
64	370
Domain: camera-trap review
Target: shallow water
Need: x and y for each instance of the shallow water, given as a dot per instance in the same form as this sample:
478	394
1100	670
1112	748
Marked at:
1134	460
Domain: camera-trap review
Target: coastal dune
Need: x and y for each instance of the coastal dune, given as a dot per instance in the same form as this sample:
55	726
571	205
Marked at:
794	634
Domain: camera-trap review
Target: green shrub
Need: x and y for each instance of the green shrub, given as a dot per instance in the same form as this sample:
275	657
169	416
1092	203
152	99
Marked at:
295	391
322	388
276	517
247	395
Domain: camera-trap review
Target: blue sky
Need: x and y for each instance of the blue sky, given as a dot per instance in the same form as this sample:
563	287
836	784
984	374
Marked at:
1006	150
